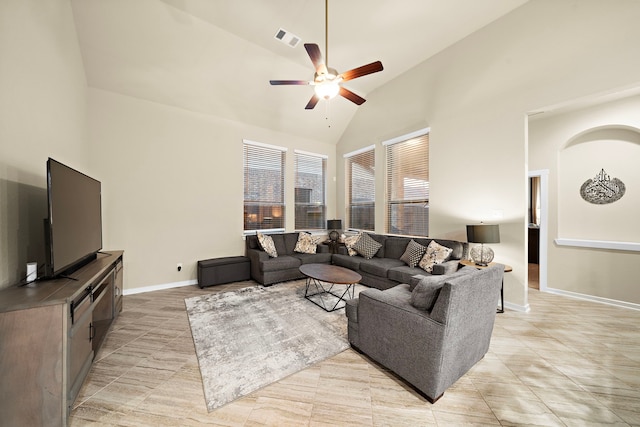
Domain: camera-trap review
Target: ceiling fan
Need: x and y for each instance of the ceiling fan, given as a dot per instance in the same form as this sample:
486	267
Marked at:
327	81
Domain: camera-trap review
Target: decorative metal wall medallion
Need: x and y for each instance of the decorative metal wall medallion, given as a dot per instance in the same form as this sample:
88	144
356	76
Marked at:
602	189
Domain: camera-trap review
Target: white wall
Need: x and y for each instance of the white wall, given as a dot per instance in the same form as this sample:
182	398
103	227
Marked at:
474	96
42	114
601	273
173	184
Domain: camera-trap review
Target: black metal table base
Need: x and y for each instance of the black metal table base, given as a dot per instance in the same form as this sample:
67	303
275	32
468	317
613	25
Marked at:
321	291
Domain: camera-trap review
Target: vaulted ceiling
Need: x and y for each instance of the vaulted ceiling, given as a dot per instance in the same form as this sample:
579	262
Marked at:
217	56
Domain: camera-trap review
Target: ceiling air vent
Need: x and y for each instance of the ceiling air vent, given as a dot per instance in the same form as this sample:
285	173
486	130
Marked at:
287	38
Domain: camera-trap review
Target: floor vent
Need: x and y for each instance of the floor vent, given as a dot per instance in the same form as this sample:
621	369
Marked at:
287	38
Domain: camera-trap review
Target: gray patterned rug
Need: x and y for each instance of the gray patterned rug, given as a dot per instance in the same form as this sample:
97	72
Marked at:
252	337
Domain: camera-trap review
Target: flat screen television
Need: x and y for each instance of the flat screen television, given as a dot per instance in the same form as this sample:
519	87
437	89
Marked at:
73	230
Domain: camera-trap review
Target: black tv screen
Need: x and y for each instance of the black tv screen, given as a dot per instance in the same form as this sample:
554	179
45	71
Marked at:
75	217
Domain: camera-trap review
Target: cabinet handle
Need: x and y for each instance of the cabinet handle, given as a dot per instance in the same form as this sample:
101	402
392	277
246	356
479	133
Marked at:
92	332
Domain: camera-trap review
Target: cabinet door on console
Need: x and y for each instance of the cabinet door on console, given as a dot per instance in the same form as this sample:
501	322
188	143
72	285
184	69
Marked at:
118	288
80	348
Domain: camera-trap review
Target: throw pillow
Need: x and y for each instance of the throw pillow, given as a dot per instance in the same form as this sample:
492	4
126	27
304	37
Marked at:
306	244
413	254
435	254
266	242
426	292
349	241
366	246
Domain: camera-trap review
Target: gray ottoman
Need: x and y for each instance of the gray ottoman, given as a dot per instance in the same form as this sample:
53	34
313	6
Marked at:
217	271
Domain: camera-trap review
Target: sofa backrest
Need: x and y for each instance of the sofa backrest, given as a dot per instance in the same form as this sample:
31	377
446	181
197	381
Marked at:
285	243
395	246
469	299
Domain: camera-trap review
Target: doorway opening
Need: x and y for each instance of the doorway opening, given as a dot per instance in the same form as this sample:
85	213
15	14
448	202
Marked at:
537	230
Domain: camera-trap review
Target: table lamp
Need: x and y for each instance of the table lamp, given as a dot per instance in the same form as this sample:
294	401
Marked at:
482	233
333	226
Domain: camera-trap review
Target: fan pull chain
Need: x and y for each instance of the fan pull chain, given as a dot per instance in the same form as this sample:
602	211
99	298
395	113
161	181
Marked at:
327	112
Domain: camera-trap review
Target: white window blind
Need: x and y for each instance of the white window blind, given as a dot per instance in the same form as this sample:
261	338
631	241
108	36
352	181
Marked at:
310	191
408	186
361	190
263	187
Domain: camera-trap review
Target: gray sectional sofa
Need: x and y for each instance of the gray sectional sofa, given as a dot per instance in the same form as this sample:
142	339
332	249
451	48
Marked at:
268	270
385	270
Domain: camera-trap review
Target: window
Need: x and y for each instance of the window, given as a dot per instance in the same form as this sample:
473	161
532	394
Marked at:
310	191
361	189
408	184
263	187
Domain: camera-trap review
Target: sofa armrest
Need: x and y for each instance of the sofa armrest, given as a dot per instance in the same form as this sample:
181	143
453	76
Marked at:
396	298
447	267
257	255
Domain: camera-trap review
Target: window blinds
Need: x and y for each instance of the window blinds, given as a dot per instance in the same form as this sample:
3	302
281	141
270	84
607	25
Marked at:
263	187
361	189
408	186
310	191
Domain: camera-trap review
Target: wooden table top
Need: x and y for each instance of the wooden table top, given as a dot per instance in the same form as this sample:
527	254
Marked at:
330	273
507	268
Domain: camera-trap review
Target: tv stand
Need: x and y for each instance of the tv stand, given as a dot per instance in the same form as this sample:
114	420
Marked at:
50	332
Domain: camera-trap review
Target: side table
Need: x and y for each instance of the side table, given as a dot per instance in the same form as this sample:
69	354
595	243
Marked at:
333	245
507	269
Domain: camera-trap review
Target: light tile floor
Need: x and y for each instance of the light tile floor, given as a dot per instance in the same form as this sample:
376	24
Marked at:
567	362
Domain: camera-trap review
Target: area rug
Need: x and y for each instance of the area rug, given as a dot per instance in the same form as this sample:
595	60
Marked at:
252	337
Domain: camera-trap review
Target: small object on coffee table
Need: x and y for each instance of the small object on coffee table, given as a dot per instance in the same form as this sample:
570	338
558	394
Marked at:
322	278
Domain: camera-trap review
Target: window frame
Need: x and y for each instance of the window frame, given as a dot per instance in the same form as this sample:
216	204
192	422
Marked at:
299	224
413	224
260	206
366	205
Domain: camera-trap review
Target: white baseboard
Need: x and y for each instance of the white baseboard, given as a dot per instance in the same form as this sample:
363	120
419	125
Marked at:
515	307
159	287
592	298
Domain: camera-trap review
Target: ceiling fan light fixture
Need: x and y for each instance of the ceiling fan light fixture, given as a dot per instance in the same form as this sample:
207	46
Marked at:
327	89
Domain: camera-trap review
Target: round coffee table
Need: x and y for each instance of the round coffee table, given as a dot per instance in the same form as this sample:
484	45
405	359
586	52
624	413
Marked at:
321	280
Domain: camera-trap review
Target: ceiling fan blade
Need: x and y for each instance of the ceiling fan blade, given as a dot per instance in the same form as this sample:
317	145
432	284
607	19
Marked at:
356	99
288	82
316	57
312	102
374	67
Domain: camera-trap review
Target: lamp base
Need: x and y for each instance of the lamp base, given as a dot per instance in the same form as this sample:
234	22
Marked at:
481	255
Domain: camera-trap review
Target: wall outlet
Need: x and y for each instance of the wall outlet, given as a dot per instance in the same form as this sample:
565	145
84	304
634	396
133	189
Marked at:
179	266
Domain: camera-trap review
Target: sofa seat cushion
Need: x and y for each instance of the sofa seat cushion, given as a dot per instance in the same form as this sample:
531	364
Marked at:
404	273
322	258
347	261
282	262
379	266
397	296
